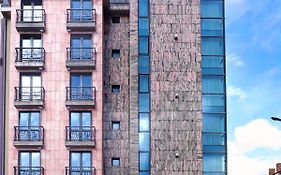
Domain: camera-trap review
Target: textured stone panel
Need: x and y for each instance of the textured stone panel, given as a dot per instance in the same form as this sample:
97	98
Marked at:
176	117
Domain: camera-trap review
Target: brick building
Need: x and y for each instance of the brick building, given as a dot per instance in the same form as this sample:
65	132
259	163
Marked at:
114	87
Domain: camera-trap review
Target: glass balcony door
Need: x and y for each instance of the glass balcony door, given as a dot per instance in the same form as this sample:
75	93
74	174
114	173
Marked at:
81	87
80	126
29	126
29	163
31	48
32	11
81	47
82	10
30	87
80	163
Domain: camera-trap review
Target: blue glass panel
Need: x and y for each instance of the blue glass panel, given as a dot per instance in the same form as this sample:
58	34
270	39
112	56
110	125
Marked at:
214	173
143	64
213	103
213	139
214	162
87	4
144	122
115	162
24	159
75	159
144	102
143	8
143	45
143	83
212	46
213	84
212	27
212	9
87	81
144	161
144	173
214	149
143	26
144	141
86	159
75	4
75	81
213	65
213	122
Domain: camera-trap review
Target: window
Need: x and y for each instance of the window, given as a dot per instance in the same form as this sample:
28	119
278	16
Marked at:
31	47
143	45
115	162
213	84
80	163
212	46
143	26
144	83
144	102
29	126
144	122
30	86
81	47
115	53
32	10
144	161
115	89
81	10
214	162
115	125
80	128
29	162
115	20
81	86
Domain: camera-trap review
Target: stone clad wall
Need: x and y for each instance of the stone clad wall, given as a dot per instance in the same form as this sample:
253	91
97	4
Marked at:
116	106
176	117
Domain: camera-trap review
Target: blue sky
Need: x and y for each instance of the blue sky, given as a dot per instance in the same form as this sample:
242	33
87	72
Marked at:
253	35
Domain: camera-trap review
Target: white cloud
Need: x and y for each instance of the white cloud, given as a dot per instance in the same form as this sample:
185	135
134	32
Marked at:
249	138
235	60
236	92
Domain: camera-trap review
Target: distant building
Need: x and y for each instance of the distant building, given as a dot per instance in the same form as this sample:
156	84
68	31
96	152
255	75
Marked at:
114	87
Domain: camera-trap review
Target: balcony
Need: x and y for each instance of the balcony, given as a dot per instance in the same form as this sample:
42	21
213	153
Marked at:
80	97
119	6
28	170
29	136
29	97
31	20
80	136
80	170
30	58
81	20
81	58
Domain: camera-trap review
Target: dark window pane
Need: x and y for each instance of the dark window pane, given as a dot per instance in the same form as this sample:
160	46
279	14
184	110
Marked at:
144	102
144	141
115	161
143	45
143	8
115	20
115	89
115	125
115	53
143	83
212	27
144	161
213	65
143	64
144	122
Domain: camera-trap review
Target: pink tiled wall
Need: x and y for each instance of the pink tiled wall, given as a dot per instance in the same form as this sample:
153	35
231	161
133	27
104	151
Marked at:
55	77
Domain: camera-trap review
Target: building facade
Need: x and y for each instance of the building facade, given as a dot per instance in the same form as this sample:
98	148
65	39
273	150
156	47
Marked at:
114	87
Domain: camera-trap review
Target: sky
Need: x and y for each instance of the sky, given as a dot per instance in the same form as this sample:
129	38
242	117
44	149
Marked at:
253	42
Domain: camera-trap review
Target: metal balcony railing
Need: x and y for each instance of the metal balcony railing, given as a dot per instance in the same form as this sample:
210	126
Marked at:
25	54
29	94
31	16
29	133
28	170
80	133
119	1
80	170
81	15
80	93
81	54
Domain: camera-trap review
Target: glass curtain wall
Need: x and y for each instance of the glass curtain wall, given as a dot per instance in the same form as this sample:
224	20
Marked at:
213	87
